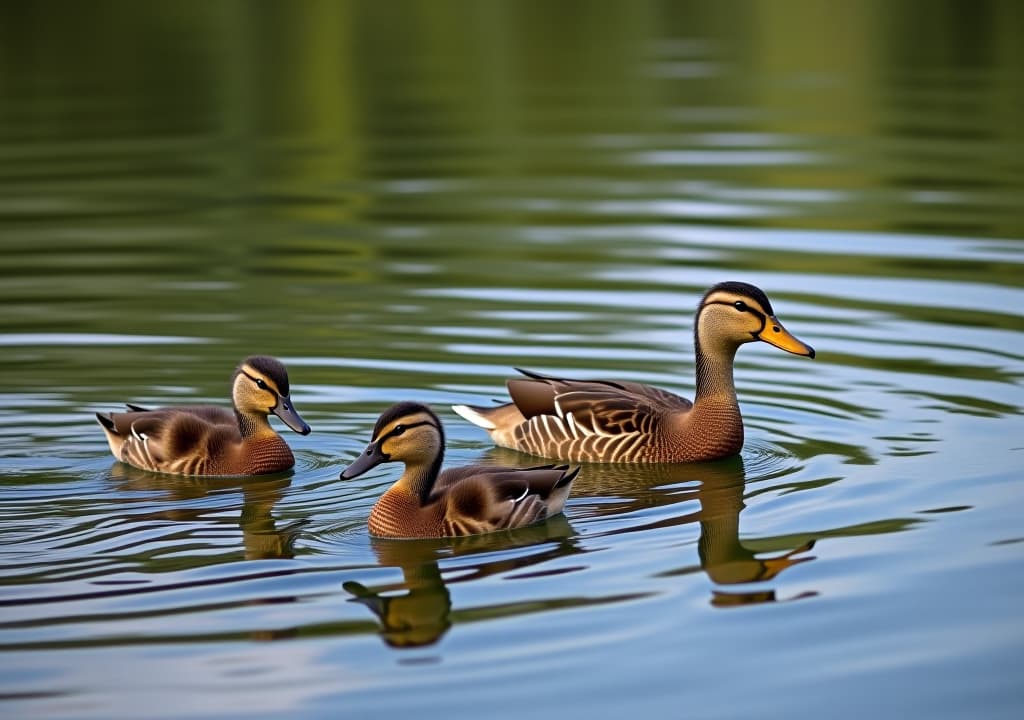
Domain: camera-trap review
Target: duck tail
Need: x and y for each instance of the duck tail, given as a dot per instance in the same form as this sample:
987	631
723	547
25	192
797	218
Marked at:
107	422
476	415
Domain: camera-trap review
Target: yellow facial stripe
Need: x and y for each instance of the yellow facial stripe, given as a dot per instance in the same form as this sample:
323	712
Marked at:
406	422
728	298
254	375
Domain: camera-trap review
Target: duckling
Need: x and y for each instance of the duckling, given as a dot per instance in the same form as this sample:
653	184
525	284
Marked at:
611	421
208	440
469	500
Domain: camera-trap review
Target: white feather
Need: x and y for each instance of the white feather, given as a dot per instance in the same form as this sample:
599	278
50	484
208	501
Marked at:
142	437
474	417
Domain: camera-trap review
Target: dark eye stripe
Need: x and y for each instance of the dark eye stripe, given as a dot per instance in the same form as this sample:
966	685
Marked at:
260	382
736	304
402	427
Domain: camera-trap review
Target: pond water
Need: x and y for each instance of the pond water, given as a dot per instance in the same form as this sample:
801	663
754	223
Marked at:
404	201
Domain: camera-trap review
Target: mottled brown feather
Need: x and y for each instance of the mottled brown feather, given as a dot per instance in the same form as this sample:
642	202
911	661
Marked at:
203	439
467	500
473	500
619	421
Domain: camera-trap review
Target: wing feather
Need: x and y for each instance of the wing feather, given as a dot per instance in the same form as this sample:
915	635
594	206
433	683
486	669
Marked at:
594	406
496	498
172	439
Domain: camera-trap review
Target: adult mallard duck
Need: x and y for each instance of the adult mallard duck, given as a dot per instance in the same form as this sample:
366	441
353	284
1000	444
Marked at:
611	421
469	500
208	440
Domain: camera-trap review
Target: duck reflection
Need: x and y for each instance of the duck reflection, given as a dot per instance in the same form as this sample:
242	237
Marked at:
419	614
717	489
261	536
727	560
417	611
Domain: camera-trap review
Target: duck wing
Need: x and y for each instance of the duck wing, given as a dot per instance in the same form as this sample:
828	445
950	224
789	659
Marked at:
595	419
538	394
453	476
209	413
502	498
169	440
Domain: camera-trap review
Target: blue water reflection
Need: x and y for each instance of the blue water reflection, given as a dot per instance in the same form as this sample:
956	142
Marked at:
405	201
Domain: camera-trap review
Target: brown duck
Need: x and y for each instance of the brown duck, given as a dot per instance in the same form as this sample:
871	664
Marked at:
611	421
469	500
208	440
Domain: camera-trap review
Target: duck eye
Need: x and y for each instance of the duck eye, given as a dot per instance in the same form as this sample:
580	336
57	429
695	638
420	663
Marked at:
260	384
399	429
740	305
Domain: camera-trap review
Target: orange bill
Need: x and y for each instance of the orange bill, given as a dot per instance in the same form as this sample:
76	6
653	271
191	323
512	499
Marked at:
775	334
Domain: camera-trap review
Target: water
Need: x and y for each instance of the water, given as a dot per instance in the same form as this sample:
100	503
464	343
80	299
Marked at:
404	201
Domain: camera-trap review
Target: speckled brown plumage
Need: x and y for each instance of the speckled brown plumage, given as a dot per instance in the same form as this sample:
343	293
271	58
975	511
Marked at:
398	514
206	440
467	500
612	421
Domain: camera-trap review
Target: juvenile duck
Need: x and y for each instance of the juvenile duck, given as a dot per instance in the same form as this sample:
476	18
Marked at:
469	500
610	421
208	440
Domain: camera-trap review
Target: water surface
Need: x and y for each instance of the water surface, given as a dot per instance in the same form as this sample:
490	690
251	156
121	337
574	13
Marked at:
405	201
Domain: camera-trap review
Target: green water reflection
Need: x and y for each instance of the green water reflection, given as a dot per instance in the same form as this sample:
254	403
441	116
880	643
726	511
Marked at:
405	200
326	114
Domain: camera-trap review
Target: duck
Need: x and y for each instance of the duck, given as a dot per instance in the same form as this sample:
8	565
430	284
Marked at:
469	500
604	421
210	440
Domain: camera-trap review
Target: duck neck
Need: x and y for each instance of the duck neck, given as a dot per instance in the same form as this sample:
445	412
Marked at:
714	372
421	475
252	425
